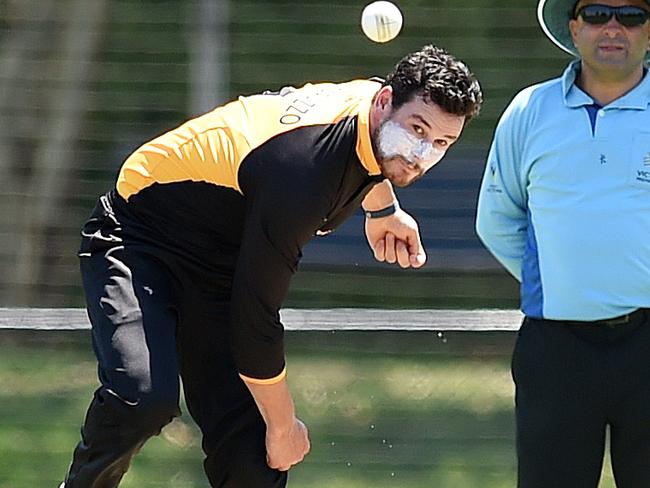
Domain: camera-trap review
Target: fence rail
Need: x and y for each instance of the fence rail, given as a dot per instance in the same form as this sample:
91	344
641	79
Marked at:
302	319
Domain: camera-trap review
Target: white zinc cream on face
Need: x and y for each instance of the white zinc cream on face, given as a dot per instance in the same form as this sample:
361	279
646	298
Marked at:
395	140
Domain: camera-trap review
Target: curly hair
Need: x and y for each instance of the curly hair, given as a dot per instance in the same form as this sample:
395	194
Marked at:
436	76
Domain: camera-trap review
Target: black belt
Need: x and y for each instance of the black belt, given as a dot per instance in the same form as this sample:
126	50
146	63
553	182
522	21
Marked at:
607	331
629	318
623	319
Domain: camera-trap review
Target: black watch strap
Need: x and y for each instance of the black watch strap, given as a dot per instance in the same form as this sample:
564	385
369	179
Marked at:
384	212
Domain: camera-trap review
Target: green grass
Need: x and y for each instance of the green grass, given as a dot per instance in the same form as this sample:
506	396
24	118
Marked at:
408	409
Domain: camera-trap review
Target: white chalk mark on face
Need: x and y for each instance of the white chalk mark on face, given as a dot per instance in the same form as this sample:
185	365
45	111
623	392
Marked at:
396	141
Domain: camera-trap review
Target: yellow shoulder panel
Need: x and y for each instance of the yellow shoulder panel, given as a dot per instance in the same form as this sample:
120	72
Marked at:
210	148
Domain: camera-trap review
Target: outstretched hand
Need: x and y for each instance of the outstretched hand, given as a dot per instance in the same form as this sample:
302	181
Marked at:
396	239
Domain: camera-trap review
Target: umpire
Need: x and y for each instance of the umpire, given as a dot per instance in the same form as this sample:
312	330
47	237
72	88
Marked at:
186	262
565	207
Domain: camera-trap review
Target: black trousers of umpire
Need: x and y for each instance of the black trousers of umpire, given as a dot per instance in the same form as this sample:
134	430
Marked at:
572	381
152	320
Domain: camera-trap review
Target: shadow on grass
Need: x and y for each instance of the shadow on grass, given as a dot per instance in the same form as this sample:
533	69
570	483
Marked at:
384	409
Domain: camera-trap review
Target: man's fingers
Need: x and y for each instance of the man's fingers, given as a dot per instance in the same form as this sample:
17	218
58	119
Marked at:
407	251
417	255
403	257
390	253
282	467
418	260
288	450
285	467
379	249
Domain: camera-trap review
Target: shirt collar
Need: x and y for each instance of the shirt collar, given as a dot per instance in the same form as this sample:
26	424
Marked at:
637	98
364	146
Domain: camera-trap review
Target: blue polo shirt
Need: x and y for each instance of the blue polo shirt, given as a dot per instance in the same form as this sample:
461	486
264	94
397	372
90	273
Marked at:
565	200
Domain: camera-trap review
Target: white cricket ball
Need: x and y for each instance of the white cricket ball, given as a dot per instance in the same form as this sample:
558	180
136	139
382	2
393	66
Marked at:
381	21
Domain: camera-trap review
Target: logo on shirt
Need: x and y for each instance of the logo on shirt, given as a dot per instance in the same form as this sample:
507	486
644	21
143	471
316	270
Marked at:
494	189
646	160
643	176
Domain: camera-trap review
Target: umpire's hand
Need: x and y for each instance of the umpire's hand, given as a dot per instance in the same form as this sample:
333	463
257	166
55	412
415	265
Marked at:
396	239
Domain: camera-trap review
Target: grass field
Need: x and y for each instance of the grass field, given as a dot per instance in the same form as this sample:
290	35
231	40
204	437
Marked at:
385	409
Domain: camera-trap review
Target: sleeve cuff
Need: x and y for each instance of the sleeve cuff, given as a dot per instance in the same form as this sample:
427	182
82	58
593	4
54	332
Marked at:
265	381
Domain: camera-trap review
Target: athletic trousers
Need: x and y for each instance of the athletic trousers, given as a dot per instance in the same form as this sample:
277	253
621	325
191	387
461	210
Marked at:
572	381
156	317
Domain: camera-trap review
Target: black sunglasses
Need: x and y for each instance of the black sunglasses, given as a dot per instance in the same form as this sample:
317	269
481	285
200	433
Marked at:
627	15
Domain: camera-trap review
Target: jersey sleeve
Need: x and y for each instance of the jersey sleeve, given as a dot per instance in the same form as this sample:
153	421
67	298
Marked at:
502	219
280	219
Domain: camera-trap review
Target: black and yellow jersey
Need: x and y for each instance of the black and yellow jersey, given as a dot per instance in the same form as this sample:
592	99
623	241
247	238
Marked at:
242	189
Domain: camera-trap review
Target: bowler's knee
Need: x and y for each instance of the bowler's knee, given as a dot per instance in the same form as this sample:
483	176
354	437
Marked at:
147	414
156	411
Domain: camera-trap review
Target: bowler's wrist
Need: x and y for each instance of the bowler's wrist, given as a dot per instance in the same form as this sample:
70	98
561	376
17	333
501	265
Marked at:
382	212
280	428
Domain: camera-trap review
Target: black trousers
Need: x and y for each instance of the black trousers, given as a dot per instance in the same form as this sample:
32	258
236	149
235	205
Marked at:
572	381
156	317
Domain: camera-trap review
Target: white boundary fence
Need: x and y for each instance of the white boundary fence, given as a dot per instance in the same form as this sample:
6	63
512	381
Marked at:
303	319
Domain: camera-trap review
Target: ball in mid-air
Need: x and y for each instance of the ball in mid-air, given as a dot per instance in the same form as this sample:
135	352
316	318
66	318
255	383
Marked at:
381	21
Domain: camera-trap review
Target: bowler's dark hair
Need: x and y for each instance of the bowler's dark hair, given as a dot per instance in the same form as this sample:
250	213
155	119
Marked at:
436	76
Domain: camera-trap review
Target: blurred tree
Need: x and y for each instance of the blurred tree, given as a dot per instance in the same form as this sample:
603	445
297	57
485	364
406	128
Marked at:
38	190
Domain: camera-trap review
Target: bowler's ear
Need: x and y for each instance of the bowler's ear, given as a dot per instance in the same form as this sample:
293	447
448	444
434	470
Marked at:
384	99
382	106
573	28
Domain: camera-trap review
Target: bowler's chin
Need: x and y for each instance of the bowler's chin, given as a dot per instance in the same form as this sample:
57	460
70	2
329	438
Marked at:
401	182
396	171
